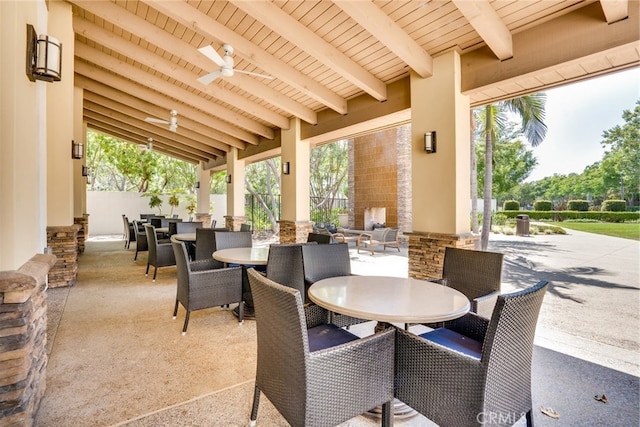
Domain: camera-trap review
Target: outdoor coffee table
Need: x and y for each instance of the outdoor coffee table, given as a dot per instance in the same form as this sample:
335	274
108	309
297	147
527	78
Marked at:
246	257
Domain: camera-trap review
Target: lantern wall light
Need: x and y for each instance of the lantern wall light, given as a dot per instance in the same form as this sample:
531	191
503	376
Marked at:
44	57
77	150
430	142
285	168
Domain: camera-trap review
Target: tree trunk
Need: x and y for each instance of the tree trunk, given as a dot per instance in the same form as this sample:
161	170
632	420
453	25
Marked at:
488	179
474	175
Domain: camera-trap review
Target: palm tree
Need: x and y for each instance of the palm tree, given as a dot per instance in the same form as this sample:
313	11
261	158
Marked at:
531	110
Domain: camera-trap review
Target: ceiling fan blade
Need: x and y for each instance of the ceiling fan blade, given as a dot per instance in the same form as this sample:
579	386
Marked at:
211	53
208	78
153	120
262	76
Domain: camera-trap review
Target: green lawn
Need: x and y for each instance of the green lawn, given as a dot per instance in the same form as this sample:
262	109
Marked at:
624	230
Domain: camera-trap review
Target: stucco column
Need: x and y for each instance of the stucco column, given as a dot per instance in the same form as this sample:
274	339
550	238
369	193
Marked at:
294	222
60	123
79	135
23	151
440	180
203	193
235	191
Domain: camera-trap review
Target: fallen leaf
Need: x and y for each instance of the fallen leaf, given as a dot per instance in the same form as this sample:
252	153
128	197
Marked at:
600	398
549	412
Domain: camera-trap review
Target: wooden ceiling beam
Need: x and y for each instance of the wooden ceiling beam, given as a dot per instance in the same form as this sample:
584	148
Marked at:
88	77
485	20
282	23
96	111
202	24
137	26
382	27
156	83
145	57
116	132
137	118
615	10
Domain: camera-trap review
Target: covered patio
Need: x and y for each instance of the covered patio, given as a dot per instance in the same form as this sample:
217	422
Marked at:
118	358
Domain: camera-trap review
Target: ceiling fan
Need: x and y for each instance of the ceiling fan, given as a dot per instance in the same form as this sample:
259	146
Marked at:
226	64
172	122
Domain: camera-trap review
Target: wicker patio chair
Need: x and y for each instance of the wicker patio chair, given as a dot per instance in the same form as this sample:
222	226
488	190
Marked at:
233	239
391	239
129	233
324	261
474	369
200	288
477	274
172	225
320	238
206	245
320	376
188	227
160	254
141	239
369	241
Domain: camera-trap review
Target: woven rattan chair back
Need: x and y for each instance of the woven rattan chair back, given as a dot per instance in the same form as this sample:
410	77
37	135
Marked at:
160	254
323	261
233	239
284	266
188	227
474	273
313	389
141	238
206	244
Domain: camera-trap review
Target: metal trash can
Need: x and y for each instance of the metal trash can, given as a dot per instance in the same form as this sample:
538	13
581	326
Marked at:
522	225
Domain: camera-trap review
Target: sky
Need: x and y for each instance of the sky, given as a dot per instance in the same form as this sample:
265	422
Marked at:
577	115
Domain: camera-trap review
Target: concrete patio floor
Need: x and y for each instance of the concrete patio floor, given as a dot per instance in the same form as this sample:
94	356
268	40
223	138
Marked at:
116	356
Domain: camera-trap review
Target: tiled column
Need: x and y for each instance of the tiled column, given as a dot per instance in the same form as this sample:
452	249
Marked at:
63	242
233	223
294	231
205	218
83	232
426	252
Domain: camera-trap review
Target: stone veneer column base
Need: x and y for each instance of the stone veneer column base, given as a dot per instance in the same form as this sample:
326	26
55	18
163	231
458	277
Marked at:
294	231
83	222
63	242
205	218
23	328
233	223
426	251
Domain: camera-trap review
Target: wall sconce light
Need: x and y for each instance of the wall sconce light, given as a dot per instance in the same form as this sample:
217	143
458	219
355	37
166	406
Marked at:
77	150
285	168
44	57
228	179
430	142
85	171
197	184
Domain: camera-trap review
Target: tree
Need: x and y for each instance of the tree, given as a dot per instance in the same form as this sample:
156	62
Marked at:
329	166
530	109
262	181
513	163
622	161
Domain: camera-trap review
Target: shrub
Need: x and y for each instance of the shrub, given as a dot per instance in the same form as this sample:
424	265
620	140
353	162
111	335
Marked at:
614	205
511	205
499	219
543	205
578	205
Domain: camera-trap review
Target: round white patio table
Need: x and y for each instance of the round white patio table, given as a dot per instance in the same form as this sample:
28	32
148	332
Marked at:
389	299
244	257
184	237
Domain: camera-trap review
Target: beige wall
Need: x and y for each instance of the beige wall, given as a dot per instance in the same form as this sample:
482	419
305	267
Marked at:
23	150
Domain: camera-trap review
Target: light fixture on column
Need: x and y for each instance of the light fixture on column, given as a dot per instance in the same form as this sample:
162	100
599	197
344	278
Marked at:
44	57
85	171
197	184
285	168
77	150
430	142
228	179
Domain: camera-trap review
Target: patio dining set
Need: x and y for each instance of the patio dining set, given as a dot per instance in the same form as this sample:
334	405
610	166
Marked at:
473	363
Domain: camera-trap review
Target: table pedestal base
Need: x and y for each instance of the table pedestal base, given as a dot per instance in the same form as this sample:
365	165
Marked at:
399	411
249	313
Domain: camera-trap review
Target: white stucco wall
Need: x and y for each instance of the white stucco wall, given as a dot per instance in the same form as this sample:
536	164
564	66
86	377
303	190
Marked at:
105	210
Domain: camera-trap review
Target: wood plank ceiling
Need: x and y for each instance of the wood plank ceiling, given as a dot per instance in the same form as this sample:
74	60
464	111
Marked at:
139	59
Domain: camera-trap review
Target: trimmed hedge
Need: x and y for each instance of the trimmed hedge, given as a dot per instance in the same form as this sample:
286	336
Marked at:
603	216
543	205
614	205
578	205
511	205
